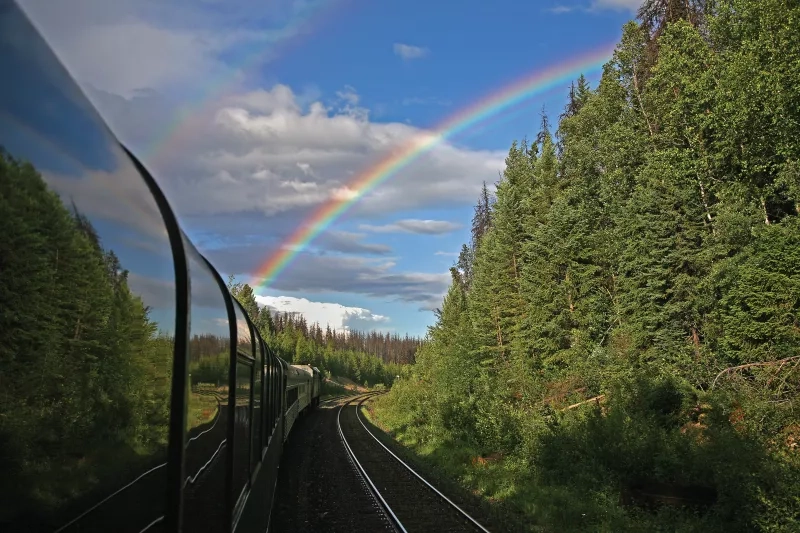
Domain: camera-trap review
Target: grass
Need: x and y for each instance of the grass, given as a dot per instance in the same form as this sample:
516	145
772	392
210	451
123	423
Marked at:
483	485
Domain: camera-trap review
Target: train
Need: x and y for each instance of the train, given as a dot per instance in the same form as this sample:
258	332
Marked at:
137	393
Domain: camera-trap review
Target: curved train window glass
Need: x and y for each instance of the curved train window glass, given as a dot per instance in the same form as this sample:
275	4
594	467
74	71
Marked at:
244	340
272	392
258	370
280	387
207	409
241	428
87	309
276	393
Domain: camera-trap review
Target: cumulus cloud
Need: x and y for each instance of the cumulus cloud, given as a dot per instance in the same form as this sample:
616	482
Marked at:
407	51
262	151
335	315
413	225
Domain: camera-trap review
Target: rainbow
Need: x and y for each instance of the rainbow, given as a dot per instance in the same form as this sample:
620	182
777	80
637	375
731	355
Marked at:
507	97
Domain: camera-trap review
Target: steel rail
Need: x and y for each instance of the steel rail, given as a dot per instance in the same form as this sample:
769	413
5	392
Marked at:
363	473
429	485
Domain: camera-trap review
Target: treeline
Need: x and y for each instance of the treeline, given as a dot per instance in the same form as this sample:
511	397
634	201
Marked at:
389	348
84	376
624	326
366	358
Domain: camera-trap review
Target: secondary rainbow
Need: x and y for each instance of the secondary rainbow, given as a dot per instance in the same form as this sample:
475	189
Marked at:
496	102
188	121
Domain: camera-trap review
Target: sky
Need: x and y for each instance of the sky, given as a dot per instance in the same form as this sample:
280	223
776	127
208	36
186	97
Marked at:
251	115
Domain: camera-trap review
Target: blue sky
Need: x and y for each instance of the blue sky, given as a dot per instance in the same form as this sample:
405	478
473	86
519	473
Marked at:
290	130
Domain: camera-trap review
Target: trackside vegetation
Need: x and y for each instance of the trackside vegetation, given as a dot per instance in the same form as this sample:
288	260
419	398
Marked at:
619	349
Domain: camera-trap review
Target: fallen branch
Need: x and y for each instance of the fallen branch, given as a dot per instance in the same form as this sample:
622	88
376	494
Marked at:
595	399
780	362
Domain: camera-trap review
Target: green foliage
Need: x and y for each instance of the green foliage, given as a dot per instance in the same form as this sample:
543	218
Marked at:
627	311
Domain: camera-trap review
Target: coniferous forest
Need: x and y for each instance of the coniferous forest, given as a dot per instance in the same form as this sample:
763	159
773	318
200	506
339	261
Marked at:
368	358
620	345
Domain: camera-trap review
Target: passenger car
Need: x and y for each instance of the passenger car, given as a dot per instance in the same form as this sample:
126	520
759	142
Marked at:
135	392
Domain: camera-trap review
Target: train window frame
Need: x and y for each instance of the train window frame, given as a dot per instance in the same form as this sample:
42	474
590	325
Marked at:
223	292
239	496
180	361
233	333
273	372
240	499
264	396
256	434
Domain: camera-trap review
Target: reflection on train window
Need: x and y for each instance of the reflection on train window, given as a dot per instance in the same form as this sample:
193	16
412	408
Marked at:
87	309
241	428
206	413
258	370
244	340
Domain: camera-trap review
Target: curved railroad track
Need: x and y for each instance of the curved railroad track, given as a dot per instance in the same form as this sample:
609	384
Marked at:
410	502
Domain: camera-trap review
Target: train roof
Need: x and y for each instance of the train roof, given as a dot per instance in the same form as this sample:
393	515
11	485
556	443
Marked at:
306	369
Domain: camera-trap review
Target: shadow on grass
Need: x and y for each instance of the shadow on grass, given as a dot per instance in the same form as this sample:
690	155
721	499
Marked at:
654	458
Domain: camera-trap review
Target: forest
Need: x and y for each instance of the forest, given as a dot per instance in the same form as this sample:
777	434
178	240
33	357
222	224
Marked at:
368	358
619	349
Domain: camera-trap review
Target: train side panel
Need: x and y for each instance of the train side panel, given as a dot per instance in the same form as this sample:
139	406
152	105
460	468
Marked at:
297	393
182	424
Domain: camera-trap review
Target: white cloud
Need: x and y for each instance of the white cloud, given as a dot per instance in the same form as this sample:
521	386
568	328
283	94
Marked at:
559	10
631	5
447	254
335	315
407	51
127	45
263	152
413	225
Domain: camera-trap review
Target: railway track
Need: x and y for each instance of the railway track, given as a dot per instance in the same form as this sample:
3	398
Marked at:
332	399
410	503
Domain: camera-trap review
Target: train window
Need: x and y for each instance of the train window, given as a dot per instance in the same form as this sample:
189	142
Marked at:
271	392
278	377
244	340
87	309
258	370
241	428
207	396
267	396
276	391
273	389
